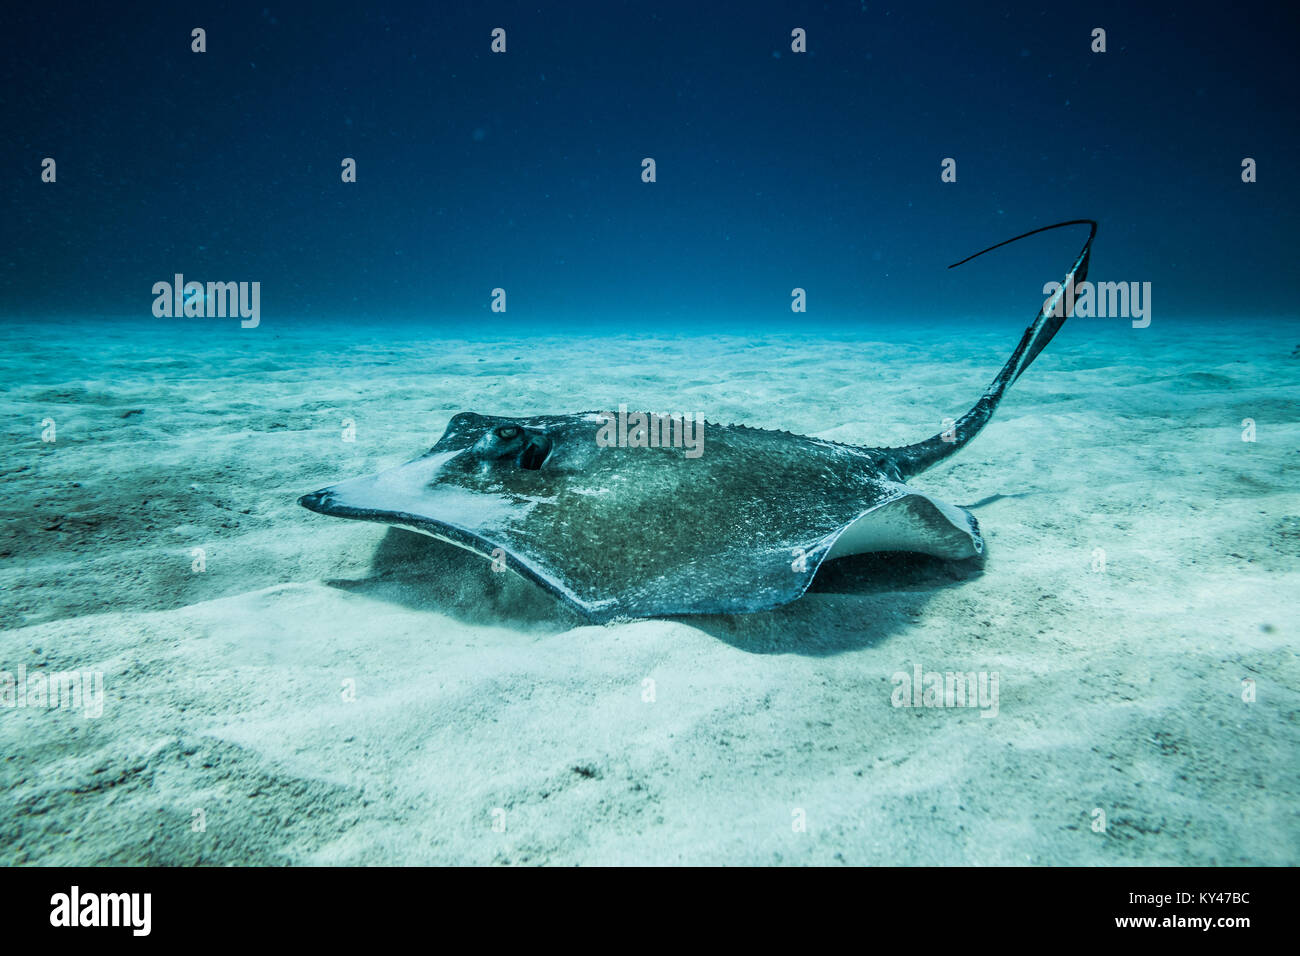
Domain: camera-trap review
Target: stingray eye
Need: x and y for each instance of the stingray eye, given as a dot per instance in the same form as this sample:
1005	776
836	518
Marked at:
507	432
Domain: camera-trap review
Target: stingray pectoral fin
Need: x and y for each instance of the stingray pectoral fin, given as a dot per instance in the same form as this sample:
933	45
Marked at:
912	522
347	500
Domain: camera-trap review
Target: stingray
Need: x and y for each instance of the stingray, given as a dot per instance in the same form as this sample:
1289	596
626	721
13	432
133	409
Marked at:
738	522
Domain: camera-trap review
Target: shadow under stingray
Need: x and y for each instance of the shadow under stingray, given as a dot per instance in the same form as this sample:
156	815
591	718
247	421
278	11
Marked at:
853	602
426	574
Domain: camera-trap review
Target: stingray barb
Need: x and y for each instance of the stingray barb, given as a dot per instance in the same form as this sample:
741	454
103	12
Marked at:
640	529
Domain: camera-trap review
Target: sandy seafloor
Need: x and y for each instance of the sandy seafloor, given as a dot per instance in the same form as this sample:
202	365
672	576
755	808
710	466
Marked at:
1119	690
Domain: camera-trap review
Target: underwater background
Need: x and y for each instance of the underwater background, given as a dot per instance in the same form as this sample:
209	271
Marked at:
322	691
523	170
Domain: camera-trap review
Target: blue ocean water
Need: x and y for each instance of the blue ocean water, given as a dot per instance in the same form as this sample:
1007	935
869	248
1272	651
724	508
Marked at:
522	170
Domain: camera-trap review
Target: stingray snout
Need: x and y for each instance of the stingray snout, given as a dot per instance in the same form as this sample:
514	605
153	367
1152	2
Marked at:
318	501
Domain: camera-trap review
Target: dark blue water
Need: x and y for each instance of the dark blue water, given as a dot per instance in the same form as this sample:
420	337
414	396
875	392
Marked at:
522	170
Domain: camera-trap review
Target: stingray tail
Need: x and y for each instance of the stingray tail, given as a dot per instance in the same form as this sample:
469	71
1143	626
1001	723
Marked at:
914	459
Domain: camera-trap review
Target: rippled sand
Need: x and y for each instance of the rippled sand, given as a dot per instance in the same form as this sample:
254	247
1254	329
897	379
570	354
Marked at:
481	703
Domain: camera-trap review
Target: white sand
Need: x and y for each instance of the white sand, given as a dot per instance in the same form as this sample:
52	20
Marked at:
1119	690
